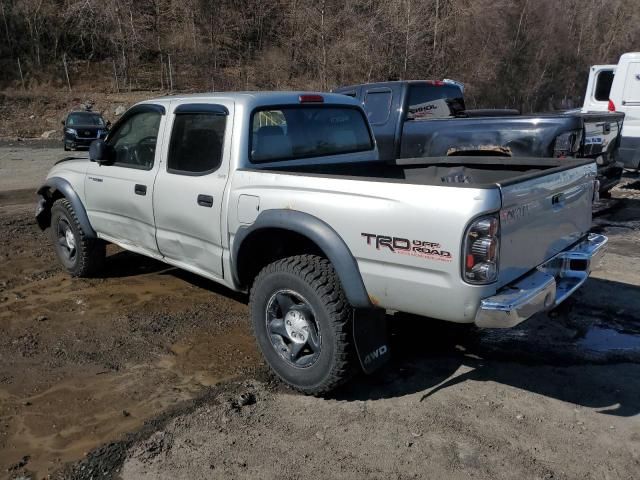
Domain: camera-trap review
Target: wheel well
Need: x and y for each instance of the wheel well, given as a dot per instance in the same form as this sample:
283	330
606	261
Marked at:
49	195
267	245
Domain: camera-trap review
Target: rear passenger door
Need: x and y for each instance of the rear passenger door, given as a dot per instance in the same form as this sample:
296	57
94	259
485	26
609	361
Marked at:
189	189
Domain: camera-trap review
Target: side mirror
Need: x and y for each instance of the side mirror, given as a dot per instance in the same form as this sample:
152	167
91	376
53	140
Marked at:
108	124
100	152
63	123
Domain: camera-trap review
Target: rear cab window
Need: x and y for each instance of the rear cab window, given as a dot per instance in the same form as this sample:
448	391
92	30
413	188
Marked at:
437	100
295	132
377	104
603	85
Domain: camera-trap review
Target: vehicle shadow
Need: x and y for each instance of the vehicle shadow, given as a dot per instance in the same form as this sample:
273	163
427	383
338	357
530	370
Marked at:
123	264
544	355
128	264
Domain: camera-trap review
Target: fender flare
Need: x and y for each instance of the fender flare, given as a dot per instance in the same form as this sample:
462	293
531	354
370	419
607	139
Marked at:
63	186
319	232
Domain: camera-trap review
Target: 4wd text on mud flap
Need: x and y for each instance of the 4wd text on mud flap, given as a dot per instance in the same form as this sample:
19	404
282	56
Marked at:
378	352
404	246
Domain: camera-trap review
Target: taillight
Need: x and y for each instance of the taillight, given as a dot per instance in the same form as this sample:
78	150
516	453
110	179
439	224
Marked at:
481	250
612	106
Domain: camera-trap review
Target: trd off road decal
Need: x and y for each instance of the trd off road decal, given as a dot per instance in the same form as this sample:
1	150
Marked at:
404	246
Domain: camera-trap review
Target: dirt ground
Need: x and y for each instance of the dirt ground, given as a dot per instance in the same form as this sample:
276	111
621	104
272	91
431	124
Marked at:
29	114
151	372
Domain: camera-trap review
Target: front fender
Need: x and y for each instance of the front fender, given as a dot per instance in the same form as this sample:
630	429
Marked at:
47	195
319	232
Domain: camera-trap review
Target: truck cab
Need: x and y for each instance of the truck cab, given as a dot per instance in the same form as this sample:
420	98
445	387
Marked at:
616	88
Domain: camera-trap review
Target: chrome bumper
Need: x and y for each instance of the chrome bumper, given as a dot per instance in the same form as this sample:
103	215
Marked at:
547	286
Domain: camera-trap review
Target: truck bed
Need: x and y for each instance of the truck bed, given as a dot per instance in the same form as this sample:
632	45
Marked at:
476	172
544	207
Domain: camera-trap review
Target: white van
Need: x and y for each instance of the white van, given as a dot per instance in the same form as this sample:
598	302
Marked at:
617	88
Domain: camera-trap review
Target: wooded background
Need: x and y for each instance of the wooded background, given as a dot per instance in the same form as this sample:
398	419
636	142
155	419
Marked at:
527	54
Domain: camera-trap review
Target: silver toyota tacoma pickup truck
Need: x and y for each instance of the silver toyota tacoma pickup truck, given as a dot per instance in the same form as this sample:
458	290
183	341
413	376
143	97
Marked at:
282	195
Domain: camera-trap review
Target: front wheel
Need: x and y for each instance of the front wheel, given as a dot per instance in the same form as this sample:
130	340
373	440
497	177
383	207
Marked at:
80	256
302	322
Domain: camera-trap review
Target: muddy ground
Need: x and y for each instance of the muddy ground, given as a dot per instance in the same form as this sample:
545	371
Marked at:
151	372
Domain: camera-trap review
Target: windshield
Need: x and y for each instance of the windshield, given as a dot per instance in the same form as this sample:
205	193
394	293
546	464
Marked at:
287	133
93	119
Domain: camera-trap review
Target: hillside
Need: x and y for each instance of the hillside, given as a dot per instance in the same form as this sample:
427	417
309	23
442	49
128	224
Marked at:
525	54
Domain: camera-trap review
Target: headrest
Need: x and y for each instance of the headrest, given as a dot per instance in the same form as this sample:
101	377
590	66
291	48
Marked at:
271	143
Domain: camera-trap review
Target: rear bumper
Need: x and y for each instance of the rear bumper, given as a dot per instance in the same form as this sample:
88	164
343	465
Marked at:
544	288
629	152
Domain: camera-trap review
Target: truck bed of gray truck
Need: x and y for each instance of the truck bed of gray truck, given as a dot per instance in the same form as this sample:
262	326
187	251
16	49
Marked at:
429	119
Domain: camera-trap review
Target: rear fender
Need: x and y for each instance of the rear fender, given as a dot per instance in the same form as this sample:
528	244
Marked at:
320	233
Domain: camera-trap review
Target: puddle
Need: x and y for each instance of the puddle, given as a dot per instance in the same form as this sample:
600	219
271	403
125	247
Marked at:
607	339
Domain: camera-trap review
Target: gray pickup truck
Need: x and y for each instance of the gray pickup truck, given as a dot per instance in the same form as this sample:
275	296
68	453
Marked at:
429	119
282	195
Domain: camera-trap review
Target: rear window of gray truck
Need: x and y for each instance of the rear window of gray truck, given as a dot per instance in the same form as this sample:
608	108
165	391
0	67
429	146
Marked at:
434	101
293	132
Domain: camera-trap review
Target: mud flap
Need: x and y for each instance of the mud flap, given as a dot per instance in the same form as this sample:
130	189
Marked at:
371	338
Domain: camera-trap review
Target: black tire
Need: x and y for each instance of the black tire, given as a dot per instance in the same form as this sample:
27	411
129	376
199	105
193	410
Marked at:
312	279
605	194
66	149
79	255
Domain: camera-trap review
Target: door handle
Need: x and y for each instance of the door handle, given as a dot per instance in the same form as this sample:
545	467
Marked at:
205	201
140	189
557	201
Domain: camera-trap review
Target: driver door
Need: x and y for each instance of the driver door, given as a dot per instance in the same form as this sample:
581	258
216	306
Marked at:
119	195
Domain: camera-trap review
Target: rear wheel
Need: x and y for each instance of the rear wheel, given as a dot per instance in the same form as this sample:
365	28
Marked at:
302	322
80	256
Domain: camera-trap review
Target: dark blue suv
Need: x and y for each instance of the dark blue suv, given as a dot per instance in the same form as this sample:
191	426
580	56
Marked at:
82	128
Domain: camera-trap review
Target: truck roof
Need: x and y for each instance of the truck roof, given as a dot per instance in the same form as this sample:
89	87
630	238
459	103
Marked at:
252	99
391	82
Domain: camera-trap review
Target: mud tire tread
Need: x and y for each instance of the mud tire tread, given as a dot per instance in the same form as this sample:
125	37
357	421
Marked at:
91	252
320	275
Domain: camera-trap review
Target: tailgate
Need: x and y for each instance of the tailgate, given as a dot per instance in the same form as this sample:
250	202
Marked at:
601	132
542	216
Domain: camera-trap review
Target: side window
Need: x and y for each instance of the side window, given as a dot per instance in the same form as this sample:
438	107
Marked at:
134	141
377	104
603	85
196	143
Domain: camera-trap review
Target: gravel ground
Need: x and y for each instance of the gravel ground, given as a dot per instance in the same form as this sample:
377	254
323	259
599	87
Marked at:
150	372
